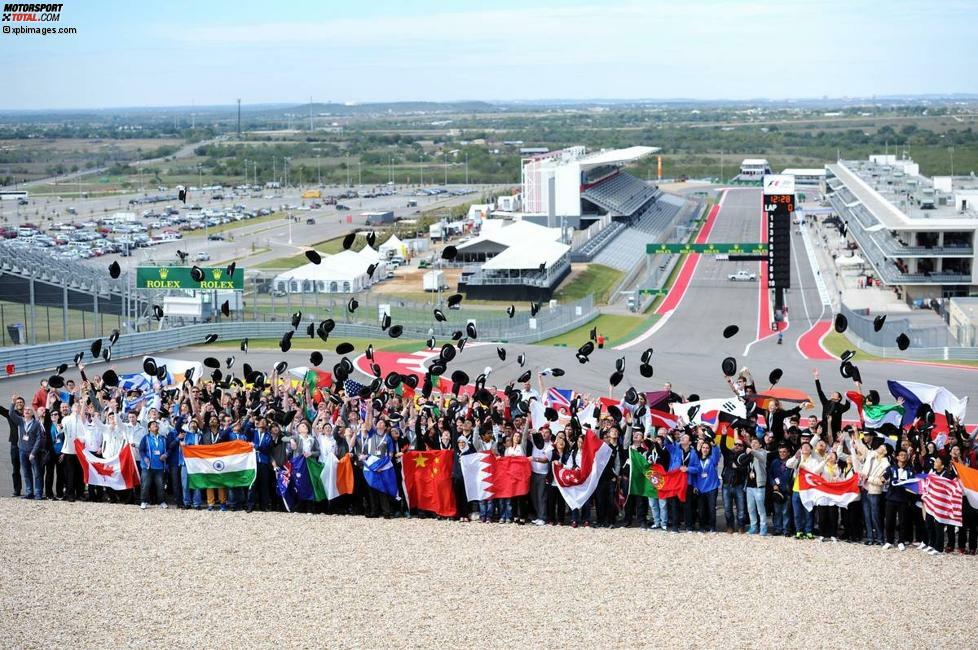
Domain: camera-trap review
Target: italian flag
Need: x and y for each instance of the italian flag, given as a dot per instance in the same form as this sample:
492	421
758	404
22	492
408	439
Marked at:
814	490
224	465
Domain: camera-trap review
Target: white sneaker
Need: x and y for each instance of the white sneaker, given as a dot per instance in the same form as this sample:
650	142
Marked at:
821	539
143	506
922	546
539	522
933	551
164	506
901	546
887	545
834	540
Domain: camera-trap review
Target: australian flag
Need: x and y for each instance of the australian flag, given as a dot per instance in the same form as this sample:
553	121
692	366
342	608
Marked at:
301	482
285	484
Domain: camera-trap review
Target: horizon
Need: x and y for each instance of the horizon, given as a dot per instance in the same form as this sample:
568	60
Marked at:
185	54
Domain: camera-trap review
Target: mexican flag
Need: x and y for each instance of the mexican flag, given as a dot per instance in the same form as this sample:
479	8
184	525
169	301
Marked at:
226	464
117	472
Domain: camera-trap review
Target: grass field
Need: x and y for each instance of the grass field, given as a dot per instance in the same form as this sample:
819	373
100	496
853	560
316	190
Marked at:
327	246
615	327
596	279
837	343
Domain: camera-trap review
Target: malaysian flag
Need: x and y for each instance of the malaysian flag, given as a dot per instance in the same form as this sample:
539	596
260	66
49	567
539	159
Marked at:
942	499
559	398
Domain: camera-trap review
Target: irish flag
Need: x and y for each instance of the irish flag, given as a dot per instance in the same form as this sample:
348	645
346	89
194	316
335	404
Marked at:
969	483
117	472
224	465
813	490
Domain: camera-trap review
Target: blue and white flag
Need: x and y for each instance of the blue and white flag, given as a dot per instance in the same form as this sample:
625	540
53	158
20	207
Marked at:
378	472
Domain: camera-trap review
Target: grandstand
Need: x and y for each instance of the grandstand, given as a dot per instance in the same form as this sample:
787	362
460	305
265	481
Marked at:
28	273
627	248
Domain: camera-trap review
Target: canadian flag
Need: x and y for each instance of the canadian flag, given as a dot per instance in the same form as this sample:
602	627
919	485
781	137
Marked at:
117	472
488	476
577	484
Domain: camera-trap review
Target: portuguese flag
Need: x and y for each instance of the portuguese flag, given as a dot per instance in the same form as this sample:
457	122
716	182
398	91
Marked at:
638	479
653	480
224	465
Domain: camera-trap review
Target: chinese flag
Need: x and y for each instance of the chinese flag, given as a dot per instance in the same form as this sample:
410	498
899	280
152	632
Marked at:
428	481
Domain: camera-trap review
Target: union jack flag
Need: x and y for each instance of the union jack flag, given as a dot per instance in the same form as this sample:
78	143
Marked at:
559	398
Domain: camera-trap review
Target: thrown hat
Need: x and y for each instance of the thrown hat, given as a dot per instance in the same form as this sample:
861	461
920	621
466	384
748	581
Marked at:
431	342
96	348
212	362
410	380
385	322
521	359
197	273
439	315
78	357
371	238
348	240
620	364
113	337
449	253
437	368
149	366
845	369
729	366
551	414
393	380
161	372
56	381
226	308
229	361
115	270
157	312
582	358
461	343
586	349
352	305
614	412
631	396
244	345
109	378
340	373
281	367
210	338
903	341
501	353
286	343
395	331
525	377
646	370
471	331
511	311
313	256
647	355
847	355
878	322
296	319
730	330
316	358
229	270
455	300
616	377
447	352
344	348
557	372
375	369
61	369
775	376
460	377
370	351
841	323
593	334
856	377
311	330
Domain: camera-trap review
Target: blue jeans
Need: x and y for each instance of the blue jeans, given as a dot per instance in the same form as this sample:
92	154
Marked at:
32	474
871	517
485	509
782	521
804	520
731	494
756	510
506	510
660	513
190	497
237	497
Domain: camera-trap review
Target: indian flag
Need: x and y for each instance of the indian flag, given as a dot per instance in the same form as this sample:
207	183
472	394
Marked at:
876	415
224	465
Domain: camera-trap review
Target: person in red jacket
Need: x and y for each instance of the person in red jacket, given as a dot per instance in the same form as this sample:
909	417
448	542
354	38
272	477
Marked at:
40	399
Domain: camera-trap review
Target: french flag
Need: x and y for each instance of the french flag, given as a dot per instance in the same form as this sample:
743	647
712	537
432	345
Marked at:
940	399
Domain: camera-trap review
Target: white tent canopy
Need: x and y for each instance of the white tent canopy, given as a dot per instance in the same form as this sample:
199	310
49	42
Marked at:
345	272
528	255
855	260
392	246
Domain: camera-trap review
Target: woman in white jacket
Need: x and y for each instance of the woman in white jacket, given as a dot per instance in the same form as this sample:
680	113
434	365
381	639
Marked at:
804	459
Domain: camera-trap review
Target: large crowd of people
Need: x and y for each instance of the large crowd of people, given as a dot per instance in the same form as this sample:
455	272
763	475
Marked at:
749	465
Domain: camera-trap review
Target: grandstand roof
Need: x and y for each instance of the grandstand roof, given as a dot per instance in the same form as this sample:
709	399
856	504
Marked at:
528	255
799	171
615	156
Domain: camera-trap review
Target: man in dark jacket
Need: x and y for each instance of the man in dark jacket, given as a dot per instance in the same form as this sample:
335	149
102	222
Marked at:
832	409
734	475
30	445
16	411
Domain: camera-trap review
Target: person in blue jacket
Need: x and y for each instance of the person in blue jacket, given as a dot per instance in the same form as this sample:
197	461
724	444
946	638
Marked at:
261	491
705	481
152	459
184	435
238	496
681	455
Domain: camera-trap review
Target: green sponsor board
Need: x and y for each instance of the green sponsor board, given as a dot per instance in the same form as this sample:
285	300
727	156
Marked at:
709	249
178	277
653	292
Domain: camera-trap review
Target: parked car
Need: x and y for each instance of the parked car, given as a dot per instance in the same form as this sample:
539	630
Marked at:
310	221
742	276
216	237
340	207
202	256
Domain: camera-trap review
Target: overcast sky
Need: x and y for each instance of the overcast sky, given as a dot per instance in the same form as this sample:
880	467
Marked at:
180	52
